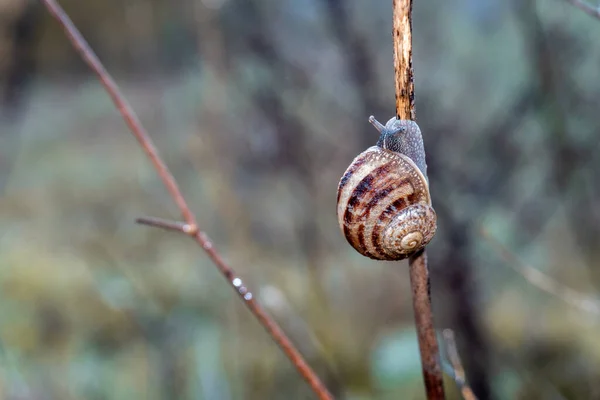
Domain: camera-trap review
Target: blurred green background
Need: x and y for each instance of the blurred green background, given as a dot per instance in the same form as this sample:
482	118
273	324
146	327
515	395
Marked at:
258	106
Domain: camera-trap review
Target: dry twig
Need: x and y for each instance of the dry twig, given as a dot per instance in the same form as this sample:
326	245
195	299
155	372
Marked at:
457	368
542	281
419	272
587	8
190	226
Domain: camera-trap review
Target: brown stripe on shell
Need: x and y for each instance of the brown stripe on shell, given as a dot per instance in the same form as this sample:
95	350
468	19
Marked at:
362	199
383	220
383	189
353	176
379	177
371	188
361	236
386	217
380	183
381	197
355	198
353	167
363	187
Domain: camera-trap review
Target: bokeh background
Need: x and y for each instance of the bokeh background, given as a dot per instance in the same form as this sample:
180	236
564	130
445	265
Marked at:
258	106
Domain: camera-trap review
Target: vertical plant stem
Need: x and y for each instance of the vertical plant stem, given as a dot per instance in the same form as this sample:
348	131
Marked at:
419	272
428	346
190	226
403	69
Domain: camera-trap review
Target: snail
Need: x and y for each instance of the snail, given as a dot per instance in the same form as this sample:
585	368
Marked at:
383	202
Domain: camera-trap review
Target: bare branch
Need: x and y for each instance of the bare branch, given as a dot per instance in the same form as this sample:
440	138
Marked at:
543	281
182	227
586	8
403	69
419	272
458	370
428	346
192	230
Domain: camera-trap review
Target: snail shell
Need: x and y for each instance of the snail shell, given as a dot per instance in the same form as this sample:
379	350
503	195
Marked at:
383	202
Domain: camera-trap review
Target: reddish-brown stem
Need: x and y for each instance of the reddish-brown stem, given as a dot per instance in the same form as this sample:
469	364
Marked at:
428	346
169	225
190	227
419	272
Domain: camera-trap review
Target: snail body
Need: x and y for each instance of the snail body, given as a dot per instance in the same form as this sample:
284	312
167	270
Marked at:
383	201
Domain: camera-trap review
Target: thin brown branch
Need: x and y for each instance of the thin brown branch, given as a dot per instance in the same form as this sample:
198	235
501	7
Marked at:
586	8
403	69
428	346
419	272
200	237
169	225
542	281
459	371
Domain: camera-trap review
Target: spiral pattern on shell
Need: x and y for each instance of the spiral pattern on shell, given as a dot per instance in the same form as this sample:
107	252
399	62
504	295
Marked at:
383	205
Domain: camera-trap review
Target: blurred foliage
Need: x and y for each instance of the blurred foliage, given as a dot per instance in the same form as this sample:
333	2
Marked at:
258	107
